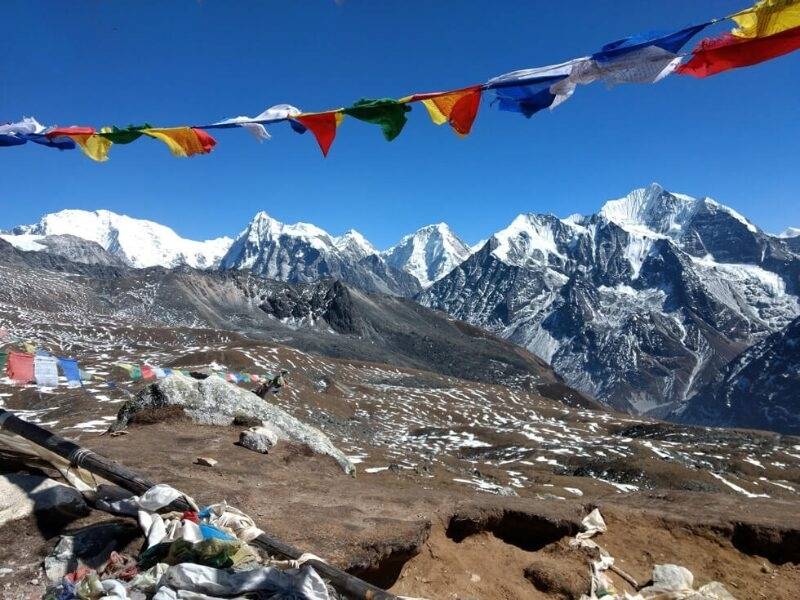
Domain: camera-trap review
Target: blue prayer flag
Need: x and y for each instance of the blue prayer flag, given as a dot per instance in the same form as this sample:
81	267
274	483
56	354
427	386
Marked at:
69	367
669	41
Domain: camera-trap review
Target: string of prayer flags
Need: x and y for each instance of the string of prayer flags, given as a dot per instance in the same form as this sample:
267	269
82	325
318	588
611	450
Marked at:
766	30
255	125
20	367
769	29
45	370
458	108
183	141
69	366
389	114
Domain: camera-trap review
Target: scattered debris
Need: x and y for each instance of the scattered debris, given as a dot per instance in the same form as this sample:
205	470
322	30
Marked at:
205	461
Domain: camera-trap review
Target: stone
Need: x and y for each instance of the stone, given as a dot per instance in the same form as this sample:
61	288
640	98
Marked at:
259	439
205	461
214	401
23	494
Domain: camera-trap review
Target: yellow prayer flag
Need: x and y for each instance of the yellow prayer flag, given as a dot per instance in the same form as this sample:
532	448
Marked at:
94	146
182	141
767	17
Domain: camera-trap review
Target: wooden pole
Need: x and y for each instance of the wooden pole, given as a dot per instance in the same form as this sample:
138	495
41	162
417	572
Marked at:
346	584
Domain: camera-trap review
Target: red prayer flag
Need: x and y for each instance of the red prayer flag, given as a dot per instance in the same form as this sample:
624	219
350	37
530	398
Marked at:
206	141
716	55
323	126
20	367
148	372
69	131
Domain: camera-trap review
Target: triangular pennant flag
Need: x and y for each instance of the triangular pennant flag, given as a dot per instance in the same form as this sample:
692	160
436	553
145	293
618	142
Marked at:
459	107
183	141
389	114
93	145
323	126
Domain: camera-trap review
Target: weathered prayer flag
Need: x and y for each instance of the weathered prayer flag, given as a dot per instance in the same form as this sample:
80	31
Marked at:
183	141
459	107
93	145
716	55
767	17
20	367
71	371
389	114
255	125
323	126
148	372
45	371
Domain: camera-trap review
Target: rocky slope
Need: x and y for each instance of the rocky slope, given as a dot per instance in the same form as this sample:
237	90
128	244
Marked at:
327	317
759	388
639	305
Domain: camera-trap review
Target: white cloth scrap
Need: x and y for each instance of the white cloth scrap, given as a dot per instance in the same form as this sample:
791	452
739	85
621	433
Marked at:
45	371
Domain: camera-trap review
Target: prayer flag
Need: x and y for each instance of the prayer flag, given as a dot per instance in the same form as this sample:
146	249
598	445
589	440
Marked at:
323	126
159	372
254	378
670	42
767	17
183	141
45	369
148	372
85	375
389	114
716	55
20	367
3	363
459	107
527	91
255	125
124	136
71	371
167	371
232	377
94	146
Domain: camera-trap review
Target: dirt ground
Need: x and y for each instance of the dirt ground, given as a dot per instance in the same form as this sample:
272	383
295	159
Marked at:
425	536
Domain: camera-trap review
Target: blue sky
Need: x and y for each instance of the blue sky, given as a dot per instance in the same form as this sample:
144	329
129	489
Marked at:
733	137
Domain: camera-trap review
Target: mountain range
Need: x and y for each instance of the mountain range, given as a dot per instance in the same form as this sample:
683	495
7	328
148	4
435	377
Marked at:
643	305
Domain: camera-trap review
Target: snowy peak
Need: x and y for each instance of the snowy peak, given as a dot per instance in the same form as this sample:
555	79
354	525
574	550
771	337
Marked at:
428	254
789	232
530	238
354	245
138	242
655	210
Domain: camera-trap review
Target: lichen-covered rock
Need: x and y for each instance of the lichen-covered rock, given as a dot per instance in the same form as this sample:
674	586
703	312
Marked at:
214	401
259	439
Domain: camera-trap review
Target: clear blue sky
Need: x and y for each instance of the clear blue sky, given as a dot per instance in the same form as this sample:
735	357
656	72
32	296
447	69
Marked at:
733	137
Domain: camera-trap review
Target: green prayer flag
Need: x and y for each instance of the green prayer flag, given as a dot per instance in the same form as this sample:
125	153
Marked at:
3	362
124	136
389	114
136	373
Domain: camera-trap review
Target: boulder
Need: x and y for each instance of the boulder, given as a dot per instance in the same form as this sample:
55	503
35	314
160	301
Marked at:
259	439
214	401
23	494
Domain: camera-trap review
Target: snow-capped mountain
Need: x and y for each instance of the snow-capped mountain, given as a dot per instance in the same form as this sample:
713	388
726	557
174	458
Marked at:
139	243
758	389
428	254
789	232
639	304
304	253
